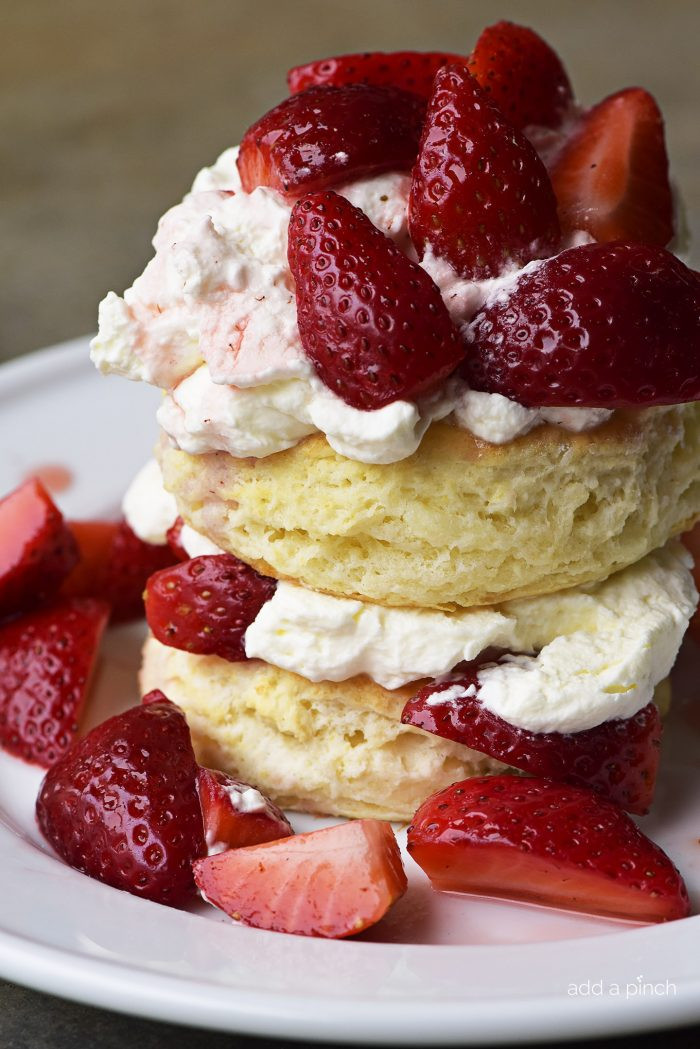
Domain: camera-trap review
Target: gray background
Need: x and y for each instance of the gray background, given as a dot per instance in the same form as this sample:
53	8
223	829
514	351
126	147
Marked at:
106	112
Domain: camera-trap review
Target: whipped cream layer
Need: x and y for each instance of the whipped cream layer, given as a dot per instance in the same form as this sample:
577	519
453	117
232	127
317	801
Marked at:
583	656
212	321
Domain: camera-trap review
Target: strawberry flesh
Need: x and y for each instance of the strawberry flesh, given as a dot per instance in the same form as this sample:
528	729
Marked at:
326	135
372	321
522	75
46	662
600	326
236	814
618	758
543	842
205	605
611	178
37	550
480	195
122	805
409	70
115	565
334	882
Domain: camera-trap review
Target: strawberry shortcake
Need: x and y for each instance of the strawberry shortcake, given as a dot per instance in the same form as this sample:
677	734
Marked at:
430	426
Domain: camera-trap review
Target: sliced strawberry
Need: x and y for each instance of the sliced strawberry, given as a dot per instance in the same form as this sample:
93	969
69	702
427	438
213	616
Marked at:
619	758
334	882
206	605
122	804
409	70
522	74
601	326
611	179
543	842
480	195
372	322
327	135
236	814
37	551
114	565
174	537
46	662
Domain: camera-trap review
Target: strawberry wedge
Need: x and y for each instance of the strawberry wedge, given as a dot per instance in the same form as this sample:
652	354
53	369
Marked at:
236	814
409	70
541	842
332	883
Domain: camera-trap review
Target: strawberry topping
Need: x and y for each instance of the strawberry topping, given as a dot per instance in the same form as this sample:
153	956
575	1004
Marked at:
334	882
236	814
46	663
600	326
544	842
37	550
480	195
522	74
612	177
327	135
114	565
372	322
205	605
122	804
409	70
618	758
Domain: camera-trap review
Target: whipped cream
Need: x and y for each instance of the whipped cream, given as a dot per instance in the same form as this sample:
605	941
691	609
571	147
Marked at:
150	510
212	320
585	655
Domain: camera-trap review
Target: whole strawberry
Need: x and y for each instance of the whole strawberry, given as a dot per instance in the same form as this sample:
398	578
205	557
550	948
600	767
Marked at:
522	74
409	70
543	842
372	321
122	805
600	326
205	605
480	195
326	135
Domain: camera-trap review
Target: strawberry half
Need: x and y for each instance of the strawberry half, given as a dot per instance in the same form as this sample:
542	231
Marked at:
480	195
600	326
122	806
618	758
205	605
334	882
409	70
37	550
543	842
46	663
115	565
236	814
372	322
612	177
327	135
522	74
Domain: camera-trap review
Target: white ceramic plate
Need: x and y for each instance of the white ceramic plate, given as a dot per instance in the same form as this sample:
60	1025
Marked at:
440	969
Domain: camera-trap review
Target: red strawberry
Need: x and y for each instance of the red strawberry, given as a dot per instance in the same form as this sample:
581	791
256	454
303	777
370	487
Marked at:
37	550
46	662
174	537
372	322
327	135
333	882
236	814
122	804
409	70
601	326
522	74
618	758
543	842
114	565
480	195
612	177
206	605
